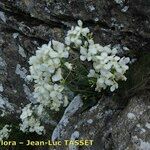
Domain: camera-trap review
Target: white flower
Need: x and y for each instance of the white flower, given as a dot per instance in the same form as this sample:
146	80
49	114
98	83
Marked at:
4	132
26	112
74	36
88	53
85	31
40	109
45	70
84	54
57	76
56	105
108	82
38	129
108	67
53	54
53	94
29	122
68	65
80	23
67	41
91	42
100	84
91	73
29	78
113	87
92	49
33	125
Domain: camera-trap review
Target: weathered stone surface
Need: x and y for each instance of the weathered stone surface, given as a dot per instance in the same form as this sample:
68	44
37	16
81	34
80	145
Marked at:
93	124
131	129
110	128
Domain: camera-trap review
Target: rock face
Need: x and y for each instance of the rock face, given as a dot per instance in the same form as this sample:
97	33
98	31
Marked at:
110	128
131	129
112	124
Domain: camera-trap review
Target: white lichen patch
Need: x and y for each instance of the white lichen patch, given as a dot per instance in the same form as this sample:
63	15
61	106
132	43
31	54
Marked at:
138	125
93	108
15	91
90	121
15	35
125	8
142	130
120	2
1	88
116	24
96	19
147	125
141	112
2	62
74	136
21	71
21	51
131	116
109	112
125	48
2	16
144	145
133	60
76	126
5	106
140	144
92	8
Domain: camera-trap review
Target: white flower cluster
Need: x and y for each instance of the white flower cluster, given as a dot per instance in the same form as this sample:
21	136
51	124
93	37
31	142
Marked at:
29	121
76	35
108	68
4	132
46	72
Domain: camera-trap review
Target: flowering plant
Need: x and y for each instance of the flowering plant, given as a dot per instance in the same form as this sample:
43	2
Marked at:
48	69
